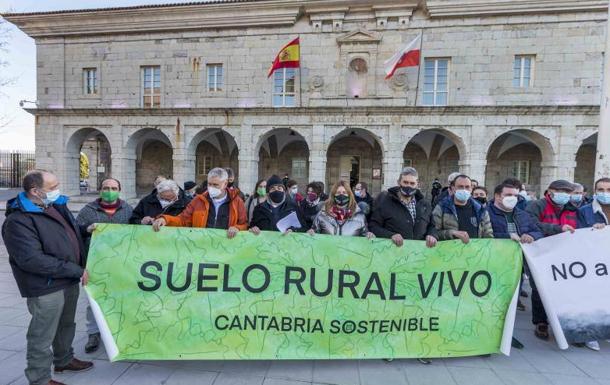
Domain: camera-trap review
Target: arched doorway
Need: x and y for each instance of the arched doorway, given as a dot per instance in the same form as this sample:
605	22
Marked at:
355	155
284	151
434	154
519	154
585	162
89	161
151	155
213	148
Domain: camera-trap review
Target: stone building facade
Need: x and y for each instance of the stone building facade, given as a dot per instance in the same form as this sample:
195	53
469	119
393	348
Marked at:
505	88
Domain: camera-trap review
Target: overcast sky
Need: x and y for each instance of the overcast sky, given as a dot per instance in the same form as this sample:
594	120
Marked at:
21	56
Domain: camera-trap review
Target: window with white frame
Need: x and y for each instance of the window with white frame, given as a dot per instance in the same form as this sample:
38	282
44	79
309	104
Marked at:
284	87
90	81
215	77
521	170
151	87
523	71
299	168
436	81
204	165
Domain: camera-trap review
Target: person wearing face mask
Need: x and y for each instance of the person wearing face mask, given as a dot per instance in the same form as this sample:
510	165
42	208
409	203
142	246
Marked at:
597	213
47	256
108	208
189	190
445	191
278	206
233	183
311	205
479	194
293	192
510	222
523	197
553	214
169	199
459	216
402	212
577	197
217	208
341	215
258	196
363	198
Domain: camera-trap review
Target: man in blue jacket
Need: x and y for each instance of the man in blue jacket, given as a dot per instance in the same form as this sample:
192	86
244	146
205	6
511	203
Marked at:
597	213
511	222
47	256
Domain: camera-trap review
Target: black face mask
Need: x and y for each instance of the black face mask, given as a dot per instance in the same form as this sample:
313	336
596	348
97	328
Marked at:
408	191
481	200
341	200
276	196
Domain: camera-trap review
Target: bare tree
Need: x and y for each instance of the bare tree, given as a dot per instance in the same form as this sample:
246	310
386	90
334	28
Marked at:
5	34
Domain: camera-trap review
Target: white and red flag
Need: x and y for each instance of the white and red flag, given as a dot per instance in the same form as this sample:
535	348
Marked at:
406	57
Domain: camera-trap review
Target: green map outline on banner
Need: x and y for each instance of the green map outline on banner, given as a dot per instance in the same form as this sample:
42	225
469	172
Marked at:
209	319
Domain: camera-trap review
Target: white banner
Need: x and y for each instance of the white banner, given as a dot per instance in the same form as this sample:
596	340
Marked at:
571	274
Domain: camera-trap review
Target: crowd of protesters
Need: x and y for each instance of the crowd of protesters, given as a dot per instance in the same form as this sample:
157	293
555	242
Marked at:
47	246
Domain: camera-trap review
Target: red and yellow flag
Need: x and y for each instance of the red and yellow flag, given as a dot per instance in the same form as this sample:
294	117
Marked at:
289	57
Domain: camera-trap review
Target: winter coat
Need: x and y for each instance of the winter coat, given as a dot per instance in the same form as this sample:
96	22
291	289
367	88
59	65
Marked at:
40	252
446	220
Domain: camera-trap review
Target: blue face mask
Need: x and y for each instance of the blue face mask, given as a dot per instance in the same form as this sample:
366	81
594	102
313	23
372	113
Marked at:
560	198
462	195
576	198
603	198
51	197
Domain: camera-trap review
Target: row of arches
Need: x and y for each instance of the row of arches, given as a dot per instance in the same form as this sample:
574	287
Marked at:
354	154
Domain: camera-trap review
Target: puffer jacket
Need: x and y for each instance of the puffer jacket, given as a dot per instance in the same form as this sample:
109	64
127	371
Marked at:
355	226
446	220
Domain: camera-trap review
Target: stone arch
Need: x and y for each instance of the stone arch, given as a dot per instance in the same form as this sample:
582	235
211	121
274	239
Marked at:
149	153
529	152
209	148
435	153
585	162
94	144
356	155
284	151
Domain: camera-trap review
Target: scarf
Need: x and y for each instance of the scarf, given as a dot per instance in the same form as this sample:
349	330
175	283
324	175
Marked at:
341	215
551	214
108	208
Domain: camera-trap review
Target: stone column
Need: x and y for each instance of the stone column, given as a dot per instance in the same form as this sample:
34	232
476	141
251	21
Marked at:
548	173
317	155
248	160
392	157
602	163
181	170
474	162
123	163
566	153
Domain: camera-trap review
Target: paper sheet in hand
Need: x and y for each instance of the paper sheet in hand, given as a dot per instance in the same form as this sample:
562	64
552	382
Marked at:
288	221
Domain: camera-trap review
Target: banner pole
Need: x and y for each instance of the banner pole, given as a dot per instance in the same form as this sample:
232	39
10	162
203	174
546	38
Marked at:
421	44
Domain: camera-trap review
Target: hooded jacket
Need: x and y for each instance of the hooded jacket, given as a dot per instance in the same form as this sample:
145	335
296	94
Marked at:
40	252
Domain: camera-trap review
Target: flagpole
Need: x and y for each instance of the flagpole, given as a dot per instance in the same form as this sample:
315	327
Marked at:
421	44
300	76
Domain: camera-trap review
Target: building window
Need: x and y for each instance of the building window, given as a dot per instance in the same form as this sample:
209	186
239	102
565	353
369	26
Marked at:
284	87
299	168
436	82
521	170
151	87
523	71
215	77
204	165
90	81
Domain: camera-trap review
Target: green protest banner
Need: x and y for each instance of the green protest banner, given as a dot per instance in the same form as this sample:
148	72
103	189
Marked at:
187	293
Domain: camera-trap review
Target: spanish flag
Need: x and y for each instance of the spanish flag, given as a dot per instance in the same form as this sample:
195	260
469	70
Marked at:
289	57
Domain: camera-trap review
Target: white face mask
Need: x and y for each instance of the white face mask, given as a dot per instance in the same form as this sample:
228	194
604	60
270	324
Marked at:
214	192
510	202
51	196
165	203
294	191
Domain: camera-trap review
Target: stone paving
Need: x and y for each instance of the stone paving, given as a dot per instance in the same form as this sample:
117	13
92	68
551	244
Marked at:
538	363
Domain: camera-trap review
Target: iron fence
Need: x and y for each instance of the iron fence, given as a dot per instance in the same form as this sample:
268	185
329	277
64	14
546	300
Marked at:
13	167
